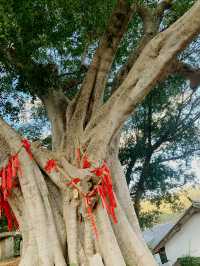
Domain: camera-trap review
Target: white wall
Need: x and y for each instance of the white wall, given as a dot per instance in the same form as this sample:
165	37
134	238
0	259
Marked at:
157	259
186	241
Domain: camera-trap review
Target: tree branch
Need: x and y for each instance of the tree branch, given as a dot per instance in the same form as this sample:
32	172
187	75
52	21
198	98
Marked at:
10	136
92	89
185	70
70	83
56	104
139	188
162	7
150	30
151	23
180	128
130	169
179	157
149	68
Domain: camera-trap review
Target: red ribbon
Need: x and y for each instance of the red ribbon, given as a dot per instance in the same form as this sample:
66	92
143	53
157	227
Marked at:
27	146
16	166
6	209
104	189
50	166
8	174
73	182
85	162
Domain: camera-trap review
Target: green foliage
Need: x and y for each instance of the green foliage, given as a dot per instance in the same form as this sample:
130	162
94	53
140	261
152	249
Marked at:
17	241
148	219
41	48
189	261
3	224
44	38
43	41
156	145
178	9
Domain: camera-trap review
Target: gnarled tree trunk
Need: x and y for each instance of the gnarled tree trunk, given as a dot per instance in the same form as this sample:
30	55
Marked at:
52	215
49	212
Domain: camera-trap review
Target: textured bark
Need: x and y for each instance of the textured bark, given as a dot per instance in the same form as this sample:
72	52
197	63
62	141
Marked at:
48	213
149	68
53	102
47	209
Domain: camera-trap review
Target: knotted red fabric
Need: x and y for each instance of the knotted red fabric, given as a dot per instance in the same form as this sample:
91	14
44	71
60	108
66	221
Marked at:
85	162
8	175
50	166
6	209
104	188
27	146
73	182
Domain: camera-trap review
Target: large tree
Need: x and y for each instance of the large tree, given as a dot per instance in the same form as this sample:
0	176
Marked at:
41	47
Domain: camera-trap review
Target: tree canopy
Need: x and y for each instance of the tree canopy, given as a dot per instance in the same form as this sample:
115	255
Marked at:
50	44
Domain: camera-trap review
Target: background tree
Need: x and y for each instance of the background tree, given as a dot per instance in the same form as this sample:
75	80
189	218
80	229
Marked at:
74	57
160	141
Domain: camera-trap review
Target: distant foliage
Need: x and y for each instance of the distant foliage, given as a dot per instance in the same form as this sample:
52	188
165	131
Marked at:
189	261
159	143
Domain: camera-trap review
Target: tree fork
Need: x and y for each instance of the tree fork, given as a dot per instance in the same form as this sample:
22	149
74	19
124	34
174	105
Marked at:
41	214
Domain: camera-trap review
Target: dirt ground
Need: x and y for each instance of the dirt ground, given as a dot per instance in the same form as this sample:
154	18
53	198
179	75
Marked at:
11	262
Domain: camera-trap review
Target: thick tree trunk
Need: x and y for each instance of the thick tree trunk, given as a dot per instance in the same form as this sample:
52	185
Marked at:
55	237
59	238
55	226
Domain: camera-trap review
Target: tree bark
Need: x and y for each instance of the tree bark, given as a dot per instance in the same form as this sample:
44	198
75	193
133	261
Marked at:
51	209
48	215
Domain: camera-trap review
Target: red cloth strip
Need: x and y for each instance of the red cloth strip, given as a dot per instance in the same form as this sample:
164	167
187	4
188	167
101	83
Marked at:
27	146
50	166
